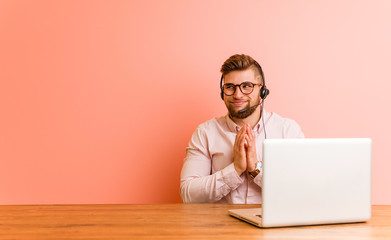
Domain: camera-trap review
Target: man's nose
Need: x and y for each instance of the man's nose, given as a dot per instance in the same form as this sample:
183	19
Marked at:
238	93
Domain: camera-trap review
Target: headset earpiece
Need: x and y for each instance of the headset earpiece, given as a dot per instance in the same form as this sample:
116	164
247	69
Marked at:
264	92
221	88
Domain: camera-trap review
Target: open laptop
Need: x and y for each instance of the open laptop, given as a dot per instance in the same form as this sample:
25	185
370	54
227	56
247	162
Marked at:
313	181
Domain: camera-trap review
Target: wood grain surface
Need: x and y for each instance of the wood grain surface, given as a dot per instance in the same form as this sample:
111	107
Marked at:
167	221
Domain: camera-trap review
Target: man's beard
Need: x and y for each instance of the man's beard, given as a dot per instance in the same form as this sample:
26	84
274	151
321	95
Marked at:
244	114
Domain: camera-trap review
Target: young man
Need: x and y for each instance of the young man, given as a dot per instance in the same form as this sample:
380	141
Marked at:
223	160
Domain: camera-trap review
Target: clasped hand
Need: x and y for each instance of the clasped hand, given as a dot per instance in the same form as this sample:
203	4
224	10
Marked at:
245	154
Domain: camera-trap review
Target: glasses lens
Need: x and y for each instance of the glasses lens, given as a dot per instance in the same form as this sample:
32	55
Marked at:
229	89
247	87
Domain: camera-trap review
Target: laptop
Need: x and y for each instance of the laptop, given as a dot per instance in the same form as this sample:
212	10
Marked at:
313	182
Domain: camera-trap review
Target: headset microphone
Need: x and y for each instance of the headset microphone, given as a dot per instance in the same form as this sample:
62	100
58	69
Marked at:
243	110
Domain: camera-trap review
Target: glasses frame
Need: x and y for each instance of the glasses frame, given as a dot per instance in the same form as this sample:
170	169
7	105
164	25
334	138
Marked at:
240	87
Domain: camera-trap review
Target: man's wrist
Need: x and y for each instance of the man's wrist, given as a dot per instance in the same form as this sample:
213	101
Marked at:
254	166
239	171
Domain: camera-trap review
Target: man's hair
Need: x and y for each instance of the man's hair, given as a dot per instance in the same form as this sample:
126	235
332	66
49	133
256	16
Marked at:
239	62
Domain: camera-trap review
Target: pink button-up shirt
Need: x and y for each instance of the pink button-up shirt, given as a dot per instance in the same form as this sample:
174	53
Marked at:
208	173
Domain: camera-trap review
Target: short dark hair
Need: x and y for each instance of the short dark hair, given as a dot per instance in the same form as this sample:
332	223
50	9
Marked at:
240	62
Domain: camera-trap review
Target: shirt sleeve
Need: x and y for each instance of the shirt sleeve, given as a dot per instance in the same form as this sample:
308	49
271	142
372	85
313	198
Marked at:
198	185
292	130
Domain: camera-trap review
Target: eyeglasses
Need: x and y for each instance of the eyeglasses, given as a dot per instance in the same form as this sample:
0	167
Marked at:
229	89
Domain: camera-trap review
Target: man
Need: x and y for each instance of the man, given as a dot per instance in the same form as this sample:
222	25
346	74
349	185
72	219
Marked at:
224	158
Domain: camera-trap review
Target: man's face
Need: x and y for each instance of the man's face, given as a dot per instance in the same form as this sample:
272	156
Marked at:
239	101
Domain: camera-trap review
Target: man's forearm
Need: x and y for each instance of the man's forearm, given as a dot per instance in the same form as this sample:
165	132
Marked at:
210	188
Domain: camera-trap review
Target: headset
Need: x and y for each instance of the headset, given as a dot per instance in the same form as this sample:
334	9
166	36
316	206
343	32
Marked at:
263	92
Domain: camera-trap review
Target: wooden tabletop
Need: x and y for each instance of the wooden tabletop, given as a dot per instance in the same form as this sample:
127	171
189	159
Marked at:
167	221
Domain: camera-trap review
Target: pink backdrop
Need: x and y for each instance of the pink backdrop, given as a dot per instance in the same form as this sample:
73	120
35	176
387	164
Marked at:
99	99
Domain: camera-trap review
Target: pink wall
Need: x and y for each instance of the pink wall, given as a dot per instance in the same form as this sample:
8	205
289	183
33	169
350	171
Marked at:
99	99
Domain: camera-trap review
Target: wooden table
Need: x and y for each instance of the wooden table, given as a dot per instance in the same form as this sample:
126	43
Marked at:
167	221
